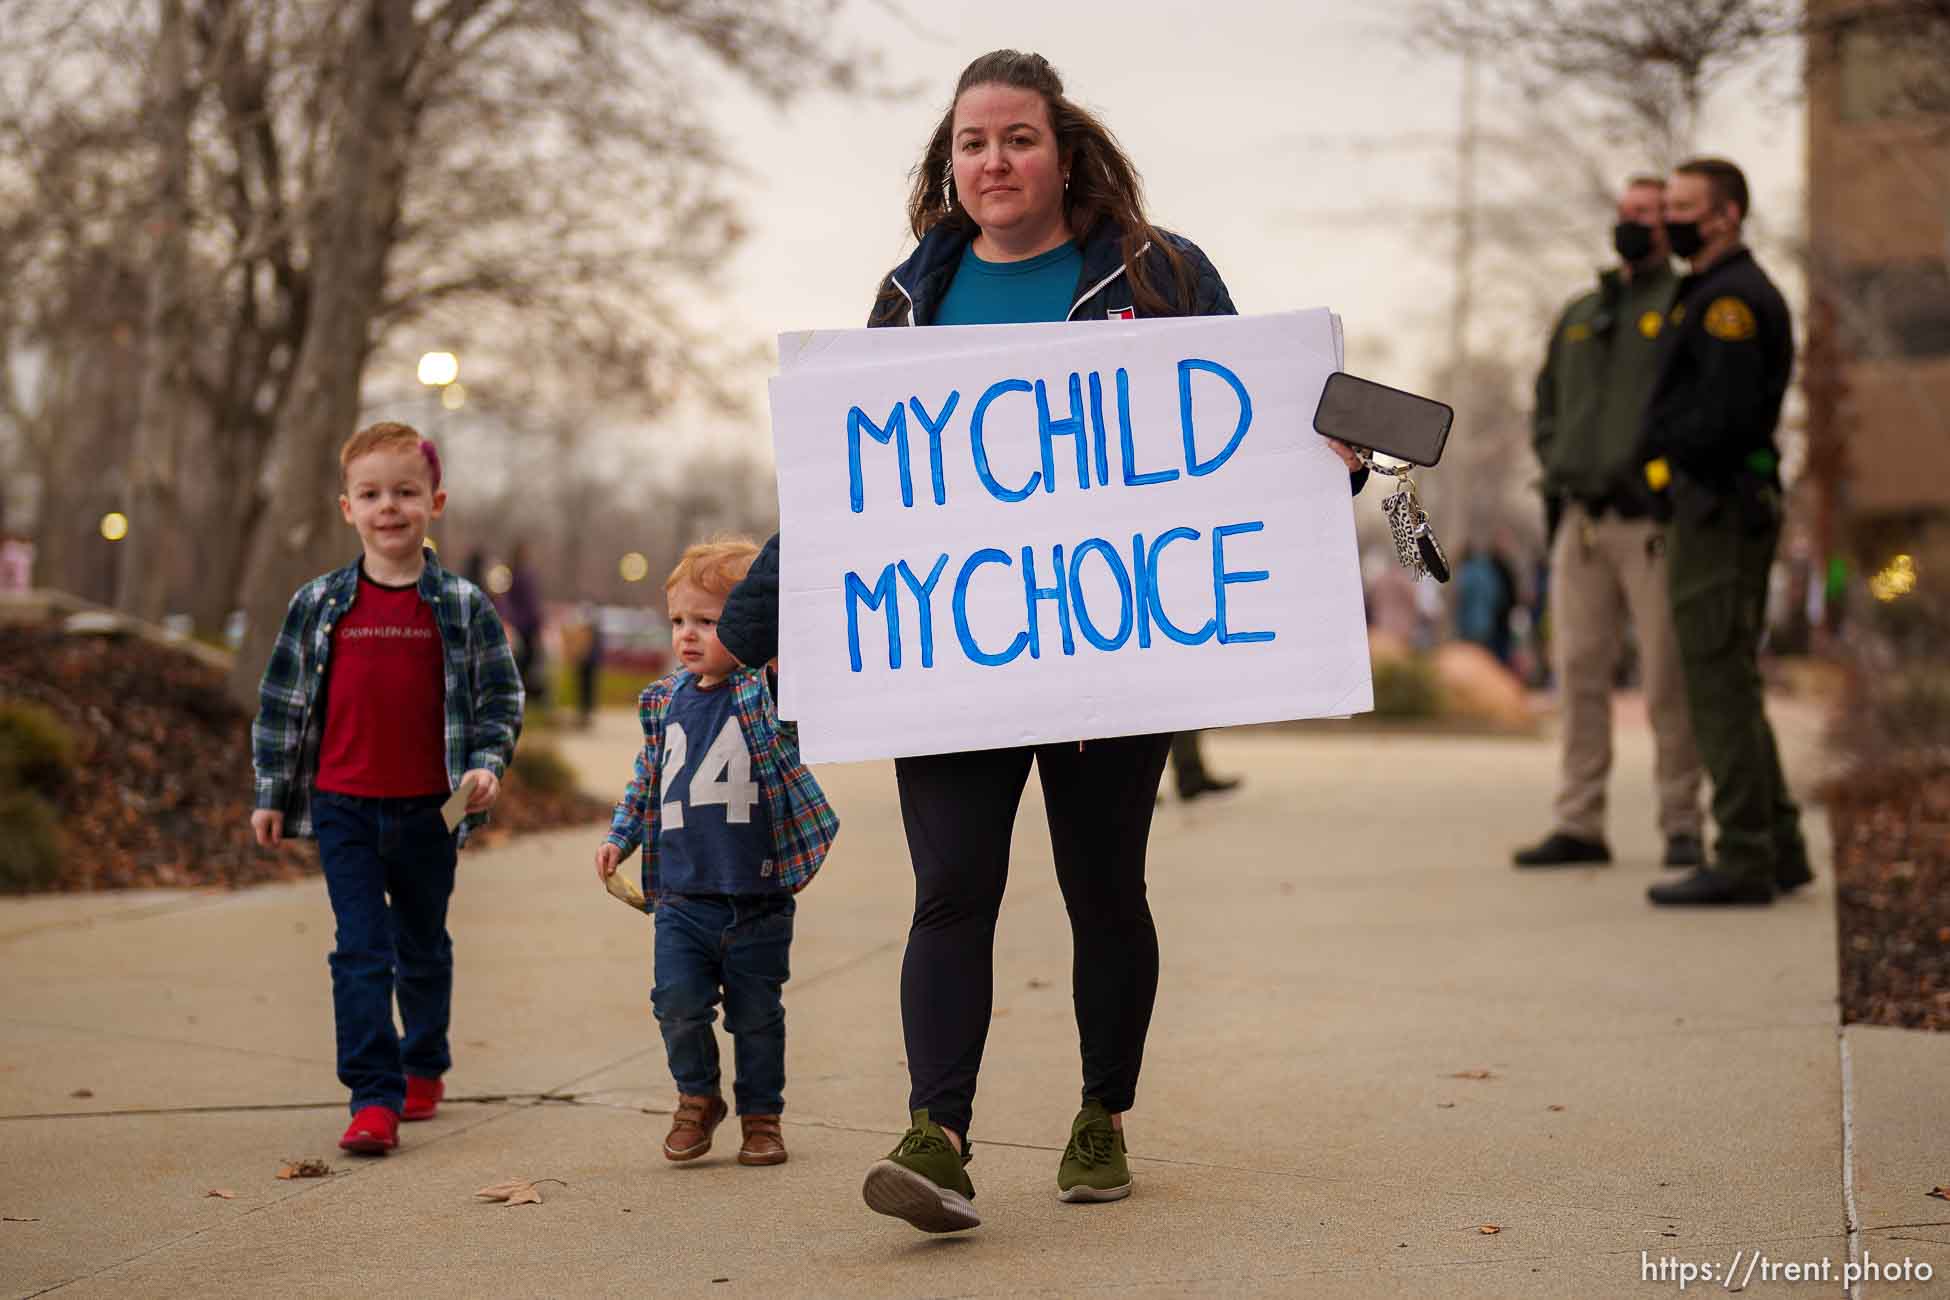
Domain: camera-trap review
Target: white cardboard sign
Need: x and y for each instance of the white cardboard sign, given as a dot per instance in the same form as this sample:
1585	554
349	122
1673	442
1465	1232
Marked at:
1009	535
857	347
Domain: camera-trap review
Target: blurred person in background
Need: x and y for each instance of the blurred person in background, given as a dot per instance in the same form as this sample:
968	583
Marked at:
1607	550
582	647
1393	610
521	607
1189	772
1486	595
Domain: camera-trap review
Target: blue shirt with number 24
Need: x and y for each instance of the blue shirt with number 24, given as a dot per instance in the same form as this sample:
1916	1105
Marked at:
714	835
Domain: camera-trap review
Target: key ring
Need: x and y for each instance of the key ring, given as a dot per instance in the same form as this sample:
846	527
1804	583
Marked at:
1416	546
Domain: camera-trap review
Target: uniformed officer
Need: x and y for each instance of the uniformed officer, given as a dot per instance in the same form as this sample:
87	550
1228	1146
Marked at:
1608	551
1709	444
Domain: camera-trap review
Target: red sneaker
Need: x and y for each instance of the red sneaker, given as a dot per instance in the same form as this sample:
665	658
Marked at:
373	1132
422	1097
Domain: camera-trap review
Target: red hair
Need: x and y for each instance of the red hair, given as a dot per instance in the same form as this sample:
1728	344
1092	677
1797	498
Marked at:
390	435
716	566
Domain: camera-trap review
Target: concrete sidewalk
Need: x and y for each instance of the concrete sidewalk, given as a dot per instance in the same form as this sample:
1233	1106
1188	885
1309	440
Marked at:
1338	965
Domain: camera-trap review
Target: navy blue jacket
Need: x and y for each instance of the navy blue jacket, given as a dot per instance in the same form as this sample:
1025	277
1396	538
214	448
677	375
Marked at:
749	625
1723	372
911	294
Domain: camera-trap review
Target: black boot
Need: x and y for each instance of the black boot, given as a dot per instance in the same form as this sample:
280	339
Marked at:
1561	850
1684	851
1790	874
1709	888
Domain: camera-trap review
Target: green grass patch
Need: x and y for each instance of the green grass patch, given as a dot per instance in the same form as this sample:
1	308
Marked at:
37	752
30	842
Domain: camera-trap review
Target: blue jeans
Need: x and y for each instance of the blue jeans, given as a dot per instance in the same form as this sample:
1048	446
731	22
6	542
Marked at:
738	949
389	868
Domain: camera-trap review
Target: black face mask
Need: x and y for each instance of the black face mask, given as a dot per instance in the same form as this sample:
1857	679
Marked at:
1633	240
1685	237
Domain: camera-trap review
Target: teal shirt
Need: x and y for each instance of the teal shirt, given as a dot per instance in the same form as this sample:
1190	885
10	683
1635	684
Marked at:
1041	288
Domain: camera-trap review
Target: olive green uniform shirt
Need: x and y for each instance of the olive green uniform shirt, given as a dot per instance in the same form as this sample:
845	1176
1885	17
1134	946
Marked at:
1591	396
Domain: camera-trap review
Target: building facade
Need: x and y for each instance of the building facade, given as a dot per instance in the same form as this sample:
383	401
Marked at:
1879	260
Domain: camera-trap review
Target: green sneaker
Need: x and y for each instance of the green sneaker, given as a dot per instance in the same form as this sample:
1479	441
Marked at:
1094	1167
922	1181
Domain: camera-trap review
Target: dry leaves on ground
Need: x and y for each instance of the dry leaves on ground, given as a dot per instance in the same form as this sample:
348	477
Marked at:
517	1191
223	1193
82	1092
303	1168
1489	1229
1891	832
162	792
1941	1193
1472	1074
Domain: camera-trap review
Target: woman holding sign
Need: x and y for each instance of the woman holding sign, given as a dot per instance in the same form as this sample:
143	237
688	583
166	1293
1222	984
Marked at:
1026	210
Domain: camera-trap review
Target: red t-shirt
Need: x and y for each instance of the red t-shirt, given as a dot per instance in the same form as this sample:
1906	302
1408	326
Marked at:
385	698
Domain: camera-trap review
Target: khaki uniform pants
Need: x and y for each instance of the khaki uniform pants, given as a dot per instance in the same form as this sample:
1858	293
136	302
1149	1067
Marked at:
1601	569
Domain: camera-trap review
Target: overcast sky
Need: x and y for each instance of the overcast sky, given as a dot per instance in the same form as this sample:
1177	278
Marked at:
1305	146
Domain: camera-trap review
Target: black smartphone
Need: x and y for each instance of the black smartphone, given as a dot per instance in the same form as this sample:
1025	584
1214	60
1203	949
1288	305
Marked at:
1363	413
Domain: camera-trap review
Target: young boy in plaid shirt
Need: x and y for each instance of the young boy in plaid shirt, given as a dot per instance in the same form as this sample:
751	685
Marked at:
391	685
732	825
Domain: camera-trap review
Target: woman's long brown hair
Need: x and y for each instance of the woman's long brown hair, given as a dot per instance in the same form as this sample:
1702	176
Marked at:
1103	183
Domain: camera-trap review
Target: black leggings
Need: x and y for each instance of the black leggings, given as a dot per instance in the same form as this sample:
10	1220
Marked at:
959	810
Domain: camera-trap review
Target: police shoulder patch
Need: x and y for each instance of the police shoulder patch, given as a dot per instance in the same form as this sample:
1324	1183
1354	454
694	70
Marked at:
1678	313
1649	324
1577	333
1730	320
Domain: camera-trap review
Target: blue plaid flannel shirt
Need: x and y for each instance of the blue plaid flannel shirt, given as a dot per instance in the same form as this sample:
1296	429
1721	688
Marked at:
484	694
803	823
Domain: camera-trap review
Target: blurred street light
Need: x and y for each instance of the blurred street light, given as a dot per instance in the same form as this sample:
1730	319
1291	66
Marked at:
634	567
115	525
439	373
499	579
438	369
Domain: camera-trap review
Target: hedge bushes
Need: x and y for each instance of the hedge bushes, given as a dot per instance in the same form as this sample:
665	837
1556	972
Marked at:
37	757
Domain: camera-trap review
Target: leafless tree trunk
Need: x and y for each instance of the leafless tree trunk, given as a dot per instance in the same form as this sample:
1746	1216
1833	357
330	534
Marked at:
363	179
356	214
264	303
154	496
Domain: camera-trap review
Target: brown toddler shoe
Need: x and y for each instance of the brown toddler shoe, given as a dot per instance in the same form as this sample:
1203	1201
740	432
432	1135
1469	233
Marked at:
764	1143
691	1127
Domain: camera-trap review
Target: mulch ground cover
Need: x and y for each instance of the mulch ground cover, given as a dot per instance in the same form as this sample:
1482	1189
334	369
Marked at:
161	792
1891	830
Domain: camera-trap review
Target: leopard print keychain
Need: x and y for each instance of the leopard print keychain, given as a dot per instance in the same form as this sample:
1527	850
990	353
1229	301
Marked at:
1408	524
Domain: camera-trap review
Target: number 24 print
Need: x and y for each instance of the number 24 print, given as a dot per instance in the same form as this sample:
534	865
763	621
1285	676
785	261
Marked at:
727	765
